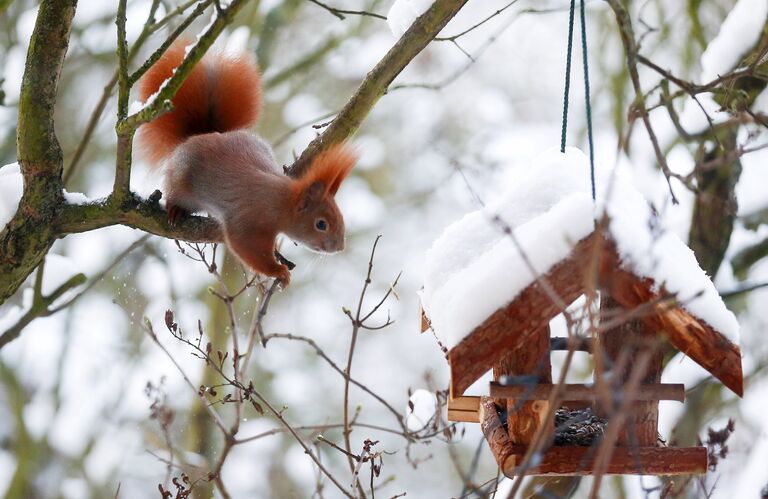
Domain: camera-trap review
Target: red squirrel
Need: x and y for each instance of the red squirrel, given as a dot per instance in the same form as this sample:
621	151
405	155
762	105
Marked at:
213	164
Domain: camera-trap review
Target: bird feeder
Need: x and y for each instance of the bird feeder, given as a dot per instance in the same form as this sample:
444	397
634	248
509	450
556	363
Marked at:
527	271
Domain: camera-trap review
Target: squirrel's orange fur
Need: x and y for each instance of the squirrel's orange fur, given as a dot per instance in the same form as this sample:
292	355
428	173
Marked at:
212	164
222	93
330	167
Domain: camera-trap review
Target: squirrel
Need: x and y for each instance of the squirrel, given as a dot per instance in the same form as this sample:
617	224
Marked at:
212	163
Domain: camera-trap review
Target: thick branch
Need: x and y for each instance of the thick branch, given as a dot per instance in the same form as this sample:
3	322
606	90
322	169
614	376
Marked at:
38	149
375	84
29	235
143	214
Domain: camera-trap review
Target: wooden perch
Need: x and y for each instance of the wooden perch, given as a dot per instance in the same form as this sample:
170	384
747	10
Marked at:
577	461
464	409
463	416
585	392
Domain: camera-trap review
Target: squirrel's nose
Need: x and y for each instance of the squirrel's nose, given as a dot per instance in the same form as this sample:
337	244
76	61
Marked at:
334	245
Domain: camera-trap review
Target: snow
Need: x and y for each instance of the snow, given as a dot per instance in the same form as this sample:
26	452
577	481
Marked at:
662	256
203	32
75	197
11	188
403	13
135	107
474	268
760	105
738	33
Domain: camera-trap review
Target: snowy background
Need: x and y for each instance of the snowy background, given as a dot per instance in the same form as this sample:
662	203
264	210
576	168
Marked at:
72	403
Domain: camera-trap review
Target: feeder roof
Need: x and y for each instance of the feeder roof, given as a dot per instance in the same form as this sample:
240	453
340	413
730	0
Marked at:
483	262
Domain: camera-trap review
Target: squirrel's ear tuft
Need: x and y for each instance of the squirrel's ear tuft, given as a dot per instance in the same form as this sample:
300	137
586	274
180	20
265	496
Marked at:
344	159
331	167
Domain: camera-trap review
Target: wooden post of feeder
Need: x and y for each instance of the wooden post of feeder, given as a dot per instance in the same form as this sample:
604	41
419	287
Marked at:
495	434
524	417
620	345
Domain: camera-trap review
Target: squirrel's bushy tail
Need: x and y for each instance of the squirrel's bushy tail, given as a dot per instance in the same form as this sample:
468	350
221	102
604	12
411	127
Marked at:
221	94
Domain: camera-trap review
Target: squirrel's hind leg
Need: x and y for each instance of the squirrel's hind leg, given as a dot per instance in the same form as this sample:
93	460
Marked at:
175	213
179	199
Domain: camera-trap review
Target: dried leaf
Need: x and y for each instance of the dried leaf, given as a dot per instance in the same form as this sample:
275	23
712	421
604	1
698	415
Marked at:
258	407
169	323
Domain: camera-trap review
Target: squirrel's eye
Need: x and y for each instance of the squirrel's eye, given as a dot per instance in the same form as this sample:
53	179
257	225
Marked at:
321	224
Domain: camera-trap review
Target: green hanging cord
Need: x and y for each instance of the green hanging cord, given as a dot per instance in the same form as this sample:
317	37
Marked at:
587	99
585	63
567	77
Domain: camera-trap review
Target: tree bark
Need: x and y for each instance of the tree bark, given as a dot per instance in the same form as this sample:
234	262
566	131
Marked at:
631	338
31	232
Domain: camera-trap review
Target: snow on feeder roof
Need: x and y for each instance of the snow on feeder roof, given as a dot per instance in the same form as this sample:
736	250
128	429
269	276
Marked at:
486	266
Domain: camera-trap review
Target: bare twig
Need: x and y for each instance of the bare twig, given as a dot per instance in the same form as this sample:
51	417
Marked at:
214	415
631	51
498	12
341	13
40	306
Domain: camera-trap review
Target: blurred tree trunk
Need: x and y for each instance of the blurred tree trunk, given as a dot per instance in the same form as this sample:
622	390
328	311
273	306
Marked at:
715	207
718	170
25	449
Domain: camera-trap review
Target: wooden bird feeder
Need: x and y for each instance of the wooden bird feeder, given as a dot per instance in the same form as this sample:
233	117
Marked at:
635	314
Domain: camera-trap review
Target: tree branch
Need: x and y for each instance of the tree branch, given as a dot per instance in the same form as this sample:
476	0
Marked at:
29	235
40	307
143	214
376	83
